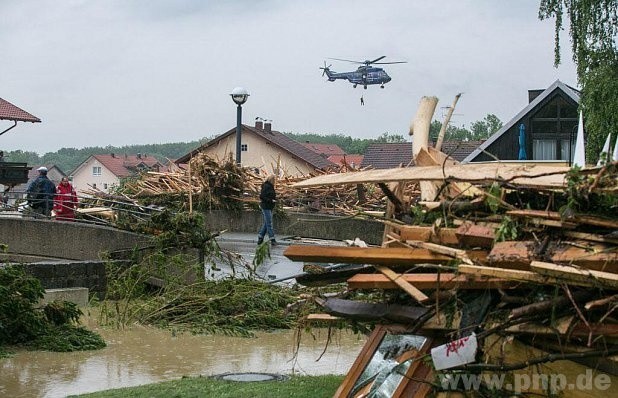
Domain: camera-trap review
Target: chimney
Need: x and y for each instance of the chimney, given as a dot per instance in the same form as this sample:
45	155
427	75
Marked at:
259	125
267	127
113	155
139	155
532	94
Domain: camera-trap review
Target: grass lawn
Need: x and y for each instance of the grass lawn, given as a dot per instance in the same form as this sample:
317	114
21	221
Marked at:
295	386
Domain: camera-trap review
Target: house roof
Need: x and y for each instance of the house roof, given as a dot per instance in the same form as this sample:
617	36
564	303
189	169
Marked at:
275	138
324	149
122	165
9	111
349	159
387	155
459	150
571	92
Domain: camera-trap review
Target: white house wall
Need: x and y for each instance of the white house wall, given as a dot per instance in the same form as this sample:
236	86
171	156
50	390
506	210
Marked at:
260	154
83	179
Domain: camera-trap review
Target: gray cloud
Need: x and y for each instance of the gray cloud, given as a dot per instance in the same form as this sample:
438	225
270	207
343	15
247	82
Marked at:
127	72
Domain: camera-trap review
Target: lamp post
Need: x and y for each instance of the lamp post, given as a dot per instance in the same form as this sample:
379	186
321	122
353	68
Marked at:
239	96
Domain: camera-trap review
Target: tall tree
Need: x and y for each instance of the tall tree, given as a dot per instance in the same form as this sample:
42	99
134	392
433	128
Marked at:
593	32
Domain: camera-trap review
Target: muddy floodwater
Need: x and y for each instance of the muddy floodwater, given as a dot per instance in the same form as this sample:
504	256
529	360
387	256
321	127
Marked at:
144	355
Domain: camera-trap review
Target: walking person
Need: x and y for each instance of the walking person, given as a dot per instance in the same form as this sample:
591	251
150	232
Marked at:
40	194
65	201
268	197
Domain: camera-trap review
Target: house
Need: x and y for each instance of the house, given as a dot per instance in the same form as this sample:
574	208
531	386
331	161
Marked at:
325	150
264	149
387	155
103	172
354	161
549	129
391	155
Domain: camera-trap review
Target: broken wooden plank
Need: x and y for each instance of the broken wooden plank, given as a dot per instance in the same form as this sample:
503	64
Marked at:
472	235
389	256
458	254
518	275
590	237
594	256
430	281
402	283
322	318
511	254
576	274
554	215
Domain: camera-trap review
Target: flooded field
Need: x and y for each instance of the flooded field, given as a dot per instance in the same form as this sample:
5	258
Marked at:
144	355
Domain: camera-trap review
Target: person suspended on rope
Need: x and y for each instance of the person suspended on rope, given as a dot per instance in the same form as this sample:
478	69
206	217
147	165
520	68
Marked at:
362	101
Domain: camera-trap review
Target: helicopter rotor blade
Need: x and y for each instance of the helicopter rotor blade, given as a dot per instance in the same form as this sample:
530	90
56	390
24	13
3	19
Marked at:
374	61
347	60
386	63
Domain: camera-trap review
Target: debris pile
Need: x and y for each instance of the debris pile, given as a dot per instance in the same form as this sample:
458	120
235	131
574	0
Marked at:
214	184
529	260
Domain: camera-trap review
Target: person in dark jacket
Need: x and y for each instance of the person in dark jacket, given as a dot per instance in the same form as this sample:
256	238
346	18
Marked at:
268	197
40	193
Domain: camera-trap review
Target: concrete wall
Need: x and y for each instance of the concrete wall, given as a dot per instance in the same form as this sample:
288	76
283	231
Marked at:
64	240
70	274
299	224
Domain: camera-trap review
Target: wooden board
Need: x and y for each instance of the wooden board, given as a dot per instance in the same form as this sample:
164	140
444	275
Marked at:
363	255
576	275
430	281
533	175
402	283
518	275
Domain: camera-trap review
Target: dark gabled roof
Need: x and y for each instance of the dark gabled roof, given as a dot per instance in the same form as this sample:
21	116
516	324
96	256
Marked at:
387	155
459	150
568	90
275	138
9	111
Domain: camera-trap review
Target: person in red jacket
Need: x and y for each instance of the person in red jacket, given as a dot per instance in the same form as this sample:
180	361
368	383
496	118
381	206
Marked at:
65	201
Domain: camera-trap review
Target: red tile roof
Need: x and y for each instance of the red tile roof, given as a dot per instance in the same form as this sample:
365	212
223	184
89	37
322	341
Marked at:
352	160
9	111
126	165
324	149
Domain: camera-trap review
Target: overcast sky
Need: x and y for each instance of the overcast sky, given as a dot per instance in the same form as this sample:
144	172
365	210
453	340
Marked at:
122	72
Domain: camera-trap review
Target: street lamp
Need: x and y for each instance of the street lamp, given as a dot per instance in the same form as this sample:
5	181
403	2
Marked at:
239	96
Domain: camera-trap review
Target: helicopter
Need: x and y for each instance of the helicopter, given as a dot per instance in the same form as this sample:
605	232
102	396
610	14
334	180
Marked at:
365	74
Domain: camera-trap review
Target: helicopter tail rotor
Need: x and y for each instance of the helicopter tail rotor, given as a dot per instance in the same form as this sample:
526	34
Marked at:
325	69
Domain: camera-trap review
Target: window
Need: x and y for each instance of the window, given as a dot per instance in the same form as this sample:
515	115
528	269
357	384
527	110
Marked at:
544	150
96	170
243	147
94	186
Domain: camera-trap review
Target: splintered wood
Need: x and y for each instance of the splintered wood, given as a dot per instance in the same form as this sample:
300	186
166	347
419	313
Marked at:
533	257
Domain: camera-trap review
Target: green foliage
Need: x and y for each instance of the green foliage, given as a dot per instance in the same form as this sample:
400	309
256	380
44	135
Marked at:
49	328
62	312
19	293
68	338
479	130
593	31
508	230
492	197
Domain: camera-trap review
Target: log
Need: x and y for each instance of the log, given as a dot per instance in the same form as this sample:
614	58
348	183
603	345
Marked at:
420	130
547	305
580	276
430	281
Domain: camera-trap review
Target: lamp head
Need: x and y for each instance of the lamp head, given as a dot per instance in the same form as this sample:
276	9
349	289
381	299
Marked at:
239	95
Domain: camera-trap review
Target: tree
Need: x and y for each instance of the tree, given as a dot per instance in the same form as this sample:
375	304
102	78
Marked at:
483	129
593	31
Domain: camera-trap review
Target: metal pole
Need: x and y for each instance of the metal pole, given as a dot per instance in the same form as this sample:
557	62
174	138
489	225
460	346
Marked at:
238	123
